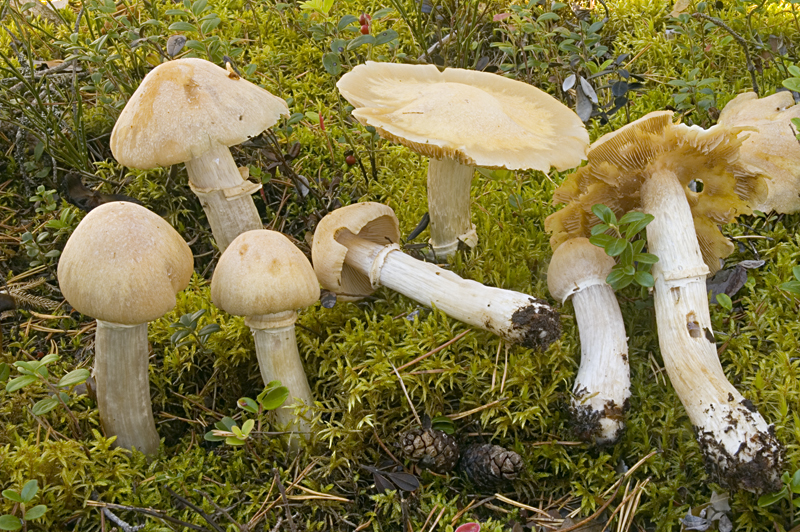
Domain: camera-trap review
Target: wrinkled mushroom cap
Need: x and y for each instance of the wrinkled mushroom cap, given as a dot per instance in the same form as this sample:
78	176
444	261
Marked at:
371	221
620	162
577	264
477	118
262	272
773	148
124	264
185	107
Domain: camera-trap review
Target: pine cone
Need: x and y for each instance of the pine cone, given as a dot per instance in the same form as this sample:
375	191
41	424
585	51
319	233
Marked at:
489	466
430	448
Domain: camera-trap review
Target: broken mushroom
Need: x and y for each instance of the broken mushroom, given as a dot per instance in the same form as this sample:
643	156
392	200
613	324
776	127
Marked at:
355	251
461	119
190	111
124	265
600	395
649	165
264	277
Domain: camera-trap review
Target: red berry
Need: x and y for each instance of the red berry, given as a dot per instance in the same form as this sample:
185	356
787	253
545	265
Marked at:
364	18
350	160
364	29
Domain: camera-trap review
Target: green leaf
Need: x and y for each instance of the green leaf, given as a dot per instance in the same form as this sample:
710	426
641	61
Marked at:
245	403
238	432
791	286
793	84
209	436
182	26
633	216
796	272
604	213
618	280
199	6
443	423
626	257
177	336
274	398
209	329
9	522
385	36
346	21
5	371
29	490
20	382
36	512
644	279
599	229
44	406
332	64
794	70
547	16
794	485
74	377
602	240
225	424
210	25
636	227
771	498
247	426
616	247
12	495
48	359
360	40
232	440
724	301
645	258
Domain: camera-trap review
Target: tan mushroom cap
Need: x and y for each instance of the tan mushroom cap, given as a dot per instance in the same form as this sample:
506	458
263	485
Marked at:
577	264
262	272
185	107
620	162
371	221
773	149
124	264
477	118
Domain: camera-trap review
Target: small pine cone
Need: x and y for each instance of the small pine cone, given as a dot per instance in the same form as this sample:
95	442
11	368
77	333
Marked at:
490	466
430	448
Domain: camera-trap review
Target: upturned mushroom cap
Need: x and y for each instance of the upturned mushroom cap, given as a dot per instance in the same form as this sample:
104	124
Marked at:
773	148
477	118
184	107
124	264
621	161
262	272
372	221
577	264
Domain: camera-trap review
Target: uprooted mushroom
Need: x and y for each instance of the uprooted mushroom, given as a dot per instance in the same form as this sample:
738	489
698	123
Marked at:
649	165
355	251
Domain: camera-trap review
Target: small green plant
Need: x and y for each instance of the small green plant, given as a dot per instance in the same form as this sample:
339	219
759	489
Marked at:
792	286
791	487
273	396
632	264
43	248
725	302
201	23
793	83
23	498
36	371
186	330
348	35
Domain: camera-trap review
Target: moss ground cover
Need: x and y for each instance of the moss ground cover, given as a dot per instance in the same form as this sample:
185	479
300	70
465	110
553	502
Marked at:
59	122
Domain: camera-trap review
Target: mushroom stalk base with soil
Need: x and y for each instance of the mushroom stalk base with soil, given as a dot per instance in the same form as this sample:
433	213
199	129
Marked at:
279	359
516	317
449	185
225	196
602	387
737	444
125	408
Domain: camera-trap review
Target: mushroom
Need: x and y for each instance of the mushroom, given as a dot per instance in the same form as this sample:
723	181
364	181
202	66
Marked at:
265	278
649	165
124	265
189	111
355	251
578	271
773	149
462	119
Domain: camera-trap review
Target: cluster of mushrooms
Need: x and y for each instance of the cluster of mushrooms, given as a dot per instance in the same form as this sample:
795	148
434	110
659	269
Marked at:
191	111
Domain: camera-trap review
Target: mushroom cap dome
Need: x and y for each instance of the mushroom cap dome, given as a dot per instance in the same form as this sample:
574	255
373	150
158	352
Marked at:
577	264
372	221
124	264
185	107
262	272
477	118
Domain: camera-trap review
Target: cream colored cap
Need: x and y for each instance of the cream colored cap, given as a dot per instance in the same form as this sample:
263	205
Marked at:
371	221
577	264
185	107
262	272
773	149
477	118
124	264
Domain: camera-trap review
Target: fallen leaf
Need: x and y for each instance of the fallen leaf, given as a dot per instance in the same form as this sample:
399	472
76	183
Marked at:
680	7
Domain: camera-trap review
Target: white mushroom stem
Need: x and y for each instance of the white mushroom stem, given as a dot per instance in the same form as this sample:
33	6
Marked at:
516	317
449	185
279	359
225	196
123	385
602	387
738	445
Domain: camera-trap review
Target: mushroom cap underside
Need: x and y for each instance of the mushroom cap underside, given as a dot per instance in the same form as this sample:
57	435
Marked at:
371	221
772	147
621	161
477	118
124	264
263	272
187	106
577	264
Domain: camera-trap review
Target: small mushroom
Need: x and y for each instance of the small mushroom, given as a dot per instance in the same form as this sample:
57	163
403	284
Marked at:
189	111
355	251
462	119
124	265
578	271
773	149
649	165
264	277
